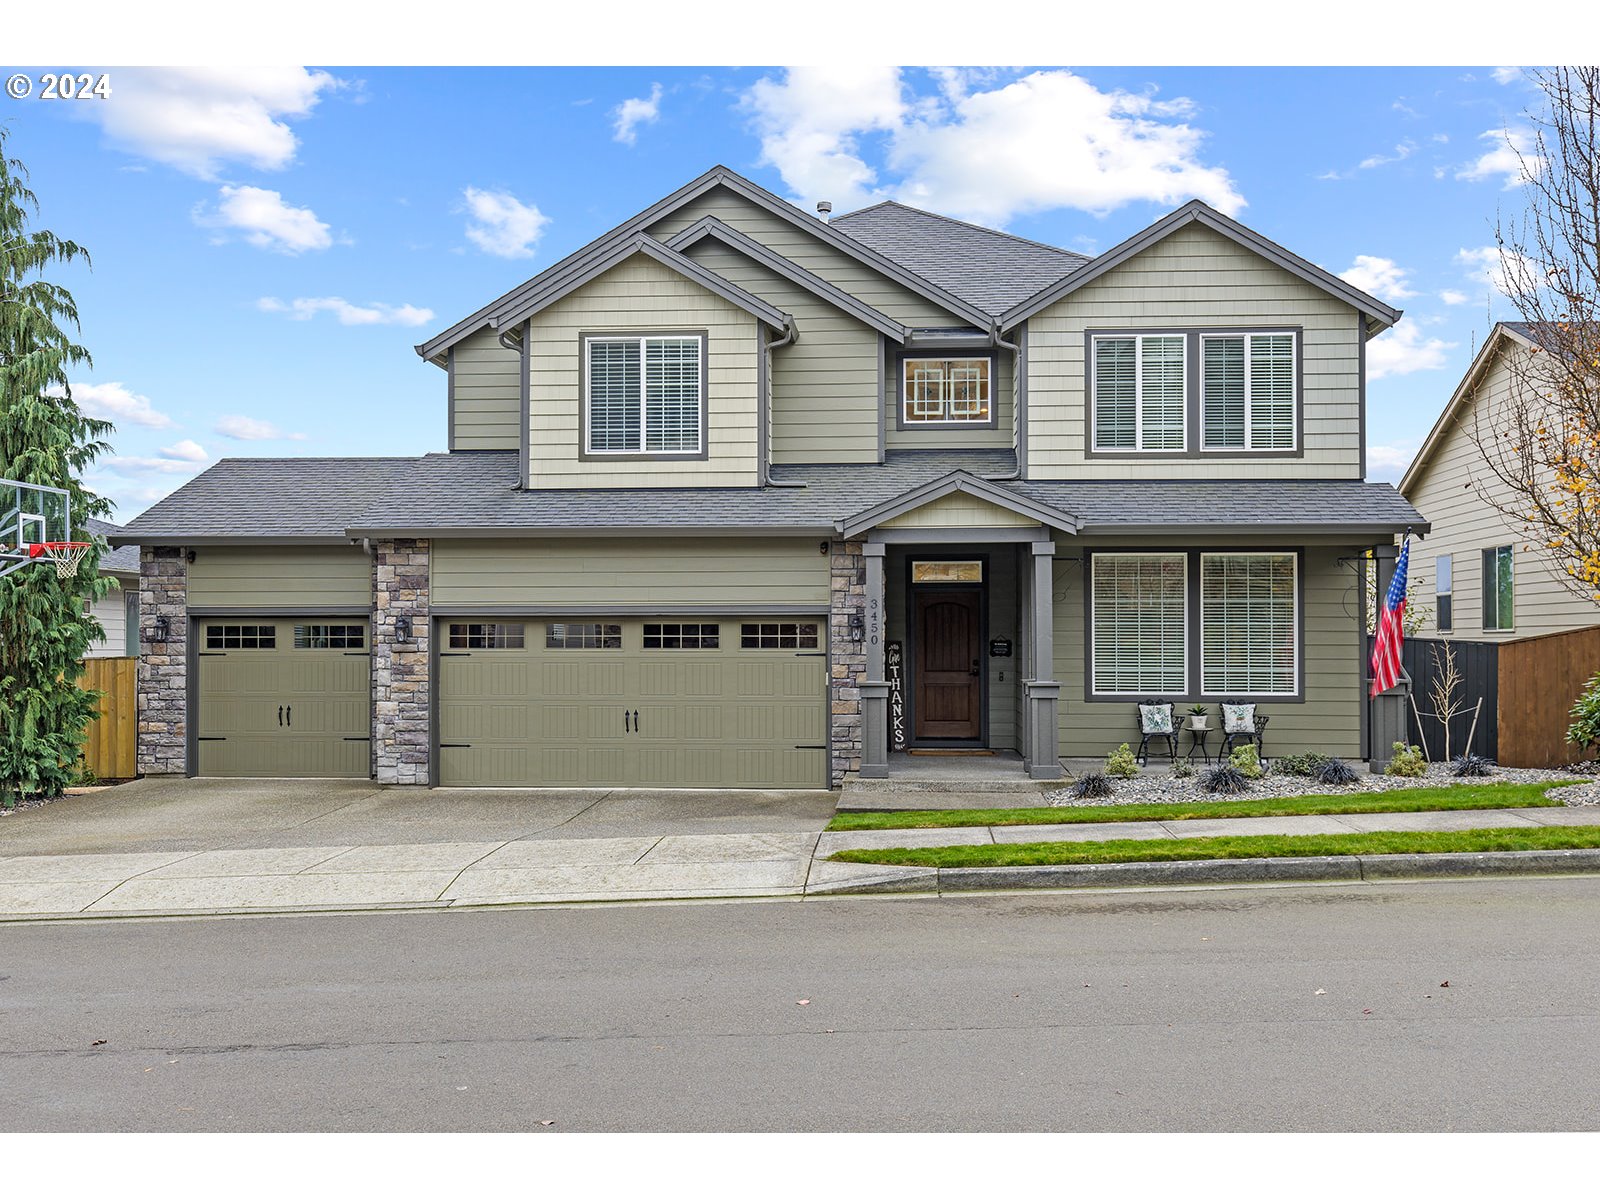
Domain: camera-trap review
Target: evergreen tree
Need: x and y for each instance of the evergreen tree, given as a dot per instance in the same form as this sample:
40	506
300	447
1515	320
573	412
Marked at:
44	439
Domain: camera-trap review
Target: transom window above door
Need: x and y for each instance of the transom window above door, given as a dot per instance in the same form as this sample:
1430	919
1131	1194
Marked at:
644	394
946	391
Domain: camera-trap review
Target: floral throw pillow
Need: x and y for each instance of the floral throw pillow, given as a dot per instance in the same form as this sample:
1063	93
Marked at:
1155	718
1238	718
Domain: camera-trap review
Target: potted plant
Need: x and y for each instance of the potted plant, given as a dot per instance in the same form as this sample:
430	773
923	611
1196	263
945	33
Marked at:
1197	718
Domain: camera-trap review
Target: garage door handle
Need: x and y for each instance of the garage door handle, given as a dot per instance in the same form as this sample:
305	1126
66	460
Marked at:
636	720
289	714
625	726
280	716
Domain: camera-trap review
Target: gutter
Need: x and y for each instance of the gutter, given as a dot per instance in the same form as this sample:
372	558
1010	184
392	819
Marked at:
764	467
1016	360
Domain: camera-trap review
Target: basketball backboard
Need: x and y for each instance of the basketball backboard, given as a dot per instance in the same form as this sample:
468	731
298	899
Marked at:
29	516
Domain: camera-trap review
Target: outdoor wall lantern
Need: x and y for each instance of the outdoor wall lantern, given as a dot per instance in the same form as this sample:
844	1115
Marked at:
858	627
163	629
402	629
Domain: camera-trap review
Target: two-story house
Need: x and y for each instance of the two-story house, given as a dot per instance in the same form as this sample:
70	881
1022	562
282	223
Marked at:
1488	581
735	496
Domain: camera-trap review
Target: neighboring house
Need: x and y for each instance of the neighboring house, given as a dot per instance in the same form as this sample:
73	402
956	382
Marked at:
1483	578
118	609
737	497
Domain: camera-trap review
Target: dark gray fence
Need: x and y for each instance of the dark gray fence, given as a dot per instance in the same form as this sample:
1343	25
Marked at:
1478	664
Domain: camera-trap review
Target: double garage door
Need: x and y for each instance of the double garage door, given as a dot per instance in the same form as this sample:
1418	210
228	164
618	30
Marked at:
284	697
698	702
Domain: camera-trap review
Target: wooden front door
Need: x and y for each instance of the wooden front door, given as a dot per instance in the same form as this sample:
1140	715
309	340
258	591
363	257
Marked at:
949	664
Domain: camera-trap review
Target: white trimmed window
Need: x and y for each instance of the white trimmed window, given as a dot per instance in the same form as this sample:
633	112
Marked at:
1249	624
1140	639
1140	388
1247	391
644	395
946	391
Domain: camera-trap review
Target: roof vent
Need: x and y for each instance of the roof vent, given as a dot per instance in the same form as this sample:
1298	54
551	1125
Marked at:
824	207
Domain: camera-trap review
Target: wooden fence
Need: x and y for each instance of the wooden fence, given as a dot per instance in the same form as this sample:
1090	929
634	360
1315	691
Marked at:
1540	677
108	749
1477	663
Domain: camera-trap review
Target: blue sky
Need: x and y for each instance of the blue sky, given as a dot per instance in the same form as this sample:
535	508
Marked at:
269	243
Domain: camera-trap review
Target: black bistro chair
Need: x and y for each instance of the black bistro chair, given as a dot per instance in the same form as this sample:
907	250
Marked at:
1156	721
1241	726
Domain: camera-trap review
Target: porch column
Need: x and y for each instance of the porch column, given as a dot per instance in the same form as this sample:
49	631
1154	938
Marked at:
874	688
1387	724
1043	691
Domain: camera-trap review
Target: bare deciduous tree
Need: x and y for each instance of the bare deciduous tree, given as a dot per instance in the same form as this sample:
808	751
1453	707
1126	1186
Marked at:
1543	443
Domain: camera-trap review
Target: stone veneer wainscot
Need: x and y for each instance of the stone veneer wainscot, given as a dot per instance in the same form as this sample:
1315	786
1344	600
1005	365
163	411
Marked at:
163	672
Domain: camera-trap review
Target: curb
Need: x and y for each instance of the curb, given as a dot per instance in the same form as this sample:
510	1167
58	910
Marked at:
1341	868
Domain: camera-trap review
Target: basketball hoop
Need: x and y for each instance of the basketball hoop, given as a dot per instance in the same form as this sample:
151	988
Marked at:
67	556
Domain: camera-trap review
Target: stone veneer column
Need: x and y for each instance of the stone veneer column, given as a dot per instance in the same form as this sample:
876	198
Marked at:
401	725
848	658
163	671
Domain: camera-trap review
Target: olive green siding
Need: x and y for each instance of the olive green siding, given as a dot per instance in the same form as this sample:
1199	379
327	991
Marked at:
279	577
486	394
812	253
824	384
959	510
644	296
1196	278
1328	721
1449	493
952	437
670	572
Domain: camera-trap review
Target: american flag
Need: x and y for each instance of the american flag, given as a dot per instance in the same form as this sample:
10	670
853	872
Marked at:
1386	646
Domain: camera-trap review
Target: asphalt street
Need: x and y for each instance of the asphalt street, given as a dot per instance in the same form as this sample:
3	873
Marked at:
1247	1008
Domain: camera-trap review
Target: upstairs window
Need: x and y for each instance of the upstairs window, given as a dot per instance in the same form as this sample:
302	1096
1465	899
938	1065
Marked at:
1444	593
645	395
1247	399
1498	590
947	391
1140	392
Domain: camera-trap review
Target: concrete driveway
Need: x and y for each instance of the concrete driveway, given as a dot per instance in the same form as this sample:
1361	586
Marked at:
188	847
218	814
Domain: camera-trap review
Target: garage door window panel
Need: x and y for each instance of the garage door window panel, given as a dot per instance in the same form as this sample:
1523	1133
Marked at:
475	636
681	637
778	635
330	637
241	637
583	636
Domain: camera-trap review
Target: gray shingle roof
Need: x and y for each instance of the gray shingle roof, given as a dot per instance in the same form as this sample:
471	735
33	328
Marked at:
985	267
122	560
476	493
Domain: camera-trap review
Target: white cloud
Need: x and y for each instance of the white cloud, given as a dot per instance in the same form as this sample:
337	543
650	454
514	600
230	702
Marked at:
1403	350
115	402
1403	151
1452	297
184	458
1381	277
198	118
1506	74
1049	139
1510	151
265	220
1389	463
632	113
501	224
304	308
250	429
1486	265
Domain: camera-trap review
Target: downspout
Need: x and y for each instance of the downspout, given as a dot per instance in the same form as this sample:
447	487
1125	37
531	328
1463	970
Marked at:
1016	361
791	333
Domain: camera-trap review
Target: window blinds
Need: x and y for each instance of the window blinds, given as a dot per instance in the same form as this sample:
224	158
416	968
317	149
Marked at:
644	395
1140	629
1248	636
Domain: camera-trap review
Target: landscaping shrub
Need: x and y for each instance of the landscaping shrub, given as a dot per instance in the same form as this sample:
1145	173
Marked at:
1245	761
1183	771
1407	761
1335	772
1471	765
1121	762
1585	728
1225	780
1094	786
1300	764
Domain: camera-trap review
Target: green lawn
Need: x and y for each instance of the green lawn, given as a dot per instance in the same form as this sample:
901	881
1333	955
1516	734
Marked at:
1435	799
1040	854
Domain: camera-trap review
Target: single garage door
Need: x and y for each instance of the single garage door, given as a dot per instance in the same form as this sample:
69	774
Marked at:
631	702
284	697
